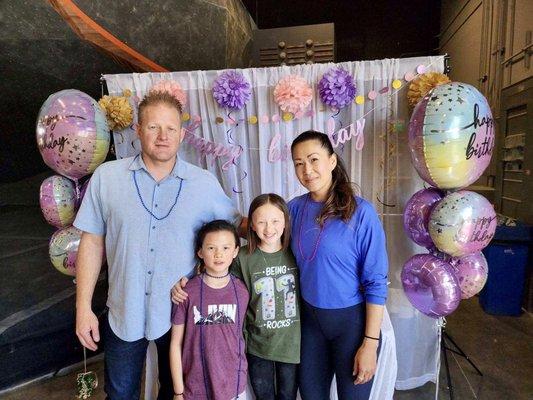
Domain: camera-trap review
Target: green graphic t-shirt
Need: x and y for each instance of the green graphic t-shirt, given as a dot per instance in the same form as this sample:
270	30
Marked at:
272	327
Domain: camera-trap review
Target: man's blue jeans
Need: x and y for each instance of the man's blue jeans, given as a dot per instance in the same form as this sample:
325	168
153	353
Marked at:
123	365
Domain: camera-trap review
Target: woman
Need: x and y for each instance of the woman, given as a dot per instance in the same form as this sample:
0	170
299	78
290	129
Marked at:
339	245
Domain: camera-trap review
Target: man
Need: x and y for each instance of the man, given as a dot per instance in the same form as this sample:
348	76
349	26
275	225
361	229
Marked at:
144	211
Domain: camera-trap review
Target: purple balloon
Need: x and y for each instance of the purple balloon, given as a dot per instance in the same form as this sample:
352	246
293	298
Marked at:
451	136
462	223
82	192
57	197
416	215
431	285
72	133
471	271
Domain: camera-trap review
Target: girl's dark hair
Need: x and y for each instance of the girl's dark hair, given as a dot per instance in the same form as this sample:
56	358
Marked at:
218	225
276	201
340	201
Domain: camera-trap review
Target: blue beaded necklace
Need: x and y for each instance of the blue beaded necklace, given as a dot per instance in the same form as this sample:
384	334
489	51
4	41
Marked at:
144	205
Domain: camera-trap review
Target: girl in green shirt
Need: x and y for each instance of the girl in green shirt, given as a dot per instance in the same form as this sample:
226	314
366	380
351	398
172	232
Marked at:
272	326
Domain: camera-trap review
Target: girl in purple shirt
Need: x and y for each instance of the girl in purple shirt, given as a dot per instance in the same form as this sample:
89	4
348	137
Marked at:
207	349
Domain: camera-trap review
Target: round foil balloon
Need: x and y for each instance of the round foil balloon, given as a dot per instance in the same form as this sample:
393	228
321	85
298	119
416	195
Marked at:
64	249
82	193
462	223
471	271
58	200
430	285
451	136
416	215
72	133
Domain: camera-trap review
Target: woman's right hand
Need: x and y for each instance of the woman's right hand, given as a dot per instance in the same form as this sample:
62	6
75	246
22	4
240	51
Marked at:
177	293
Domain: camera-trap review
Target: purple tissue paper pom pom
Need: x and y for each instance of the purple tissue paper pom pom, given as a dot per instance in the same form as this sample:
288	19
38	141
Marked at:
231	90
337	88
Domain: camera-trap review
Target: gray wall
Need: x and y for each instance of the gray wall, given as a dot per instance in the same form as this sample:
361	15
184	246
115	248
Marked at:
179	35
480	35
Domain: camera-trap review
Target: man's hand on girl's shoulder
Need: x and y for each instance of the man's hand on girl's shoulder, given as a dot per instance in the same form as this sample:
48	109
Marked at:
179	295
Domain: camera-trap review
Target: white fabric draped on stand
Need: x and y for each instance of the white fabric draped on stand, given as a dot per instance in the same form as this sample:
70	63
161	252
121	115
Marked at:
381	169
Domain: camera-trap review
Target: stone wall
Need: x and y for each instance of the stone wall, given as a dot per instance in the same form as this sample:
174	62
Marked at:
40	55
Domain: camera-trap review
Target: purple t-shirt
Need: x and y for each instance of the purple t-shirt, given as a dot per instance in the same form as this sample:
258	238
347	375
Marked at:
221	323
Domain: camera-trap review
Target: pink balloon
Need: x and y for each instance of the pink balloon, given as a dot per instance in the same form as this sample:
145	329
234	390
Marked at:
430	285
58	201
471	271
72	133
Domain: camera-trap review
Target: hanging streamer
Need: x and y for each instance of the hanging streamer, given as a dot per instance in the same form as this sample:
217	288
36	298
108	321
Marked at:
245	175
232	122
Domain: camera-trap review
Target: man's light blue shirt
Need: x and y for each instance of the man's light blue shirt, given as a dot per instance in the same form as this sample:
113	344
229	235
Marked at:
147	256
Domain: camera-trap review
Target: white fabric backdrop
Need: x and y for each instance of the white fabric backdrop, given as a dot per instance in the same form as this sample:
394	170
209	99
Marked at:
382	170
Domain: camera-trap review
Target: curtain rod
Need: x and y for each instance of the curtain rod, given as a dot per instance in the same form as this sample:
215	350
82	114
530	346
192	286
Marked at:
447	69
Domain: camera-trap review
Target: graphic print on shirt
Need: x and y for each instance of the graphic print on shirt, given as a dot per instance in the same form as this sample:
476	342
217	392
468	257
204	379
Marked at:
287	285
277	288
216	314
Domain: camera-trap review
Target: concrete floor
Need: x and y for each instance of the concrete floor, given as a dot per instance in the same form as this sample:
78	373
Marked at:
502	347
58	387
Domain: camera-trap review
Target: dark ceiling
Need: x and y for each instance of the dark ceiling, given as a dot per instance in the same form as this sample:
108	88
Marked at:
364	29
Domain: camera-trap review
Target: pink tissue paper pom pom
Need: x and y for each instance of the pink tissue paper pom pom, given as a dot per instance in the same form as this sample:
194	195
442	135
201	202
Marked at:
171	87
293	94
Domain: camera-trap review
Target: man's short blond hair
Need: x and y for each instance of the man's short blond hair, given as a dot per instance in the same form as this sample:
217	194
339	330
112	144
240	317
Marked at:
154	98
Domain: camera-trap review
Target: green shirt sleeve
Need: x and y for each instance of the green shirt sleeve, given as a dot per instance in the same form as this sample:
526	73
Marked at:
236	268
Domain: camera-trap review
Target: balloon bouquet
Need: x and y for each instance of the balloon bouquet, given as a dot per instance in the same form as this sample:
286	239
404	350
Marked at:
451	137
73	138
